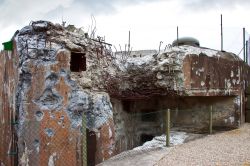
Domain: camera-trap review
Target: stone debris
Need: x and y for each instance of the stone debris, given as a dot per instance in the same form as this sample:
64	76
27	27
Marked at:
176	138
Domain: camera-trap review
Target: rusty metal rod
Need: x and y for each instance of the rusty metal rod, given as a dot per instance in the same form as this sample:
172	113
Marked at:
211	120
168	127
244	44
247	52
221	32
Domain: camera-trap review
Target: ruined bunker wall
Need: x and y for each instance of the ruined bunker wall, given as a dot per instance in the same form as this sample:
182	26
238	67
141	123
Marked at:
8	84
135	121
220	75
50	103
50	113
186	112
184	71
124	127
133	124
47	131
192	113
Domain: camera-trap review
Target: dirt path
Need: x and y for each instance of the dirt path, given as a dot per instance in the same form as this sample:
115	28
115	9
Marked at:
228	148
222	149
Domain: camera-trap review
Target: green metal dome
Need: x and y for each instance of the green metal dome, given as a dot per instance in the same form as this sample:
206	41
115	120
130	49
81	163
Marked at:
186	41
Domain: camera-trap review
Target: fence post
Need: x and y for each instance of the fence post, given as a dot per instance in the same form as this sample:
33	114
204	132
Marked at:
211	120
168	127
247	51
84	140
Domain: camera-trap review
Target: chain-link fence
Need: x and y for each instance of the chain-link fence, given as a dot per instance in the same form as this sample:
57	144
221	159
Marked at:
148	136
52	142
142	127
134	129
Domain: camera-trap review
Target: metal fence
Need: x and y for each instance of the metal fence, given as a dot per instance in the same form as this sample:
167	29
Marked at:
33	143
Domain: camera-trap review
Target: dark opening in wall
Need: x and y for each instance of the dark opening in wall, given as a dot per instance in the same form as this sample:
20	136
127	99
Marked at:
77	62
145	138
126	105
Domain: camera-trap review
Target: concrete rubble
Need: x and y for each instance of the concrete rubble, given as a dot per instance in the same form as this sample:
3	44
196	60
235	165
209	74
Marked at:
50	98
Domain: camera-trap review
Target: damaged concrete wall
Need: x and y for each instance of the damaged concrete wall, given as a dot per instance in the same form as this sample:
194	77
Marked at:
8	82
130	124
223	74
192	113
180	71
137	120
44	98
211	73
50	102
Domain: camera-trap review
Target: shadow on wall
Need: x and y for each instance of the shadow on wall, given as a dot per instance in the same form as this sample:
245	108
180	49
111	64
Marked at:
139	121
91	146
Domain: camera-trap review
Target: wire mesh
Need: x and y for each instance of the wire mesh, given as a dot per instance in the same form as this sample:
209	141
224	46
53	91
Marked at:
136	132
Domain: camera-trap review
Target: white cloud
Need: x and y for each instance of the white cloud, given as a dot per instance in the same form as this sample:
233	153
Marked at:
215	4
16	12
149	21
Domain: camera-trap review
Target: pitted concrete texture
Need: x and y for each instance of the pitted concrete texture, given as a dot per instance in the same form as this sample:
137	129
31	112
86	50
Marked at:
50	103
228	148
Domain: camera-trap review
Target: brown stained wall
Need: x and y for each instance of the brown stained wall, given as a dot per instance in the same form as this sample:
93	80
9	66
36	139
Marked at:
50	100
215	76
36	145
105	145
8	82
221	75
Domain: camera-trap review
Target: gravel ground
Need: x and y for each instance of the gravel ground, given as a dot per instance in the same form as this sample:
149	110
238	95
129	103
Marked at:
151	152
227	148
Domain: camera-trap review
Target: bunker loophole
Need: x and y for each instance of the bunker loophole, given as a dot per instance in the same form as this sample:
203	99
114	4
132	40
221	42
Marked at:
145	138
78	62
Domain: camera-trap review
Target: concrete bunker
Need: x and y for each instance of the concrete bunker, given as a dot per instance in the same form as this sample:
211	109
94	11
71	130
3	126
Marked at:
49	100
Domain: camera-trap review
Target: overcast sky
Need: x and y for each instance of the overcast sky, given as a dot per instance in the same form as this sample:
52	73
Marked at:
150	21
